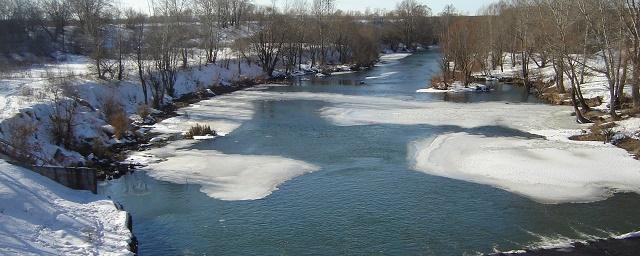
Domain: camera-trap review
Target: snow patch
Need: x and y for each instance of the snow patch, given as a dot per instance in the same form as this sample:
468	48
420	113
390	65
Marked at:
222	176
545	171
41	217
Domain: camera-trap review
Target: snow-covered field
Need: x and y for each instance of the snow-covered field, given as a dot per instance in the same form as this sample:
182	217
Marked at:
41	217
25	88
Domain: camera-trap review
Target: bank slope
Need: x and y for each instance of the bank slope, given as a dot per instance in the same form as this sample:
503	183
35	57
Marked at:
41	217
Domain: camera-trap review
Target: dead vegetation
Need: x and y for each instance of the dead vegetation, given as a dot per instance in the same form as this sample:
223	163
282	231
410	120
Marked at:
116	117
199	130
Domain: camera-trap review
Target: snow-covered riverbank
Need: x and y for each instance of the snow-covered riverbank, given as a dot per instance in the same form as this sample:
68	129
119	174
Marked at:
41	217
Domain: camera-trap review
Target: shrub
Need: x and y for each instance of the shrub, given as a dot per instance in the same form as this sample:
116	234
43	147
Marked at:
116	117
199	130
100	150
110	106
437	82
608	134
120	123
20	139
144	111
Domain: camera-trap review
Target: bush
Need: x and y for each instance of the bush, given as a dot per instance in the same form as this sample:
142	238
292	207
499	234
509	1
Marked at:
608	134
438	82
200	130
116	117
21	134
144	111
120	123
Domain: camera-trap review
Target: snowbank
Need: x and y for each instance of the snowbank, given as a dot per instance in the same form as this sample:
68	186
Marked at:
23	99
546	171
223	176
41	217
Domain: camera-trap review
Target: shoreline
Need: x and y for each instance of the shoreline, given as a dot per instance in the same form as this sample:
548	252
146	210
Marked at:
193	98
195	101
602	125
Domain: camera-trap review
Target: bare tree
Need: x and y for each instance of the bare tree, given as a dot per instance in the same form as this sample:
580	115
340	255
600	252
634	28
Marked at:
268	42
412	20
608	32
629	11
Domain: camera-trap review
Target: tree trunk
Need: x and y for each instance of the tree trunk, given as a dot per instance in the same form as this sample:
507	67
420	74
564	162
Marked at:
635	86
579	117
559	77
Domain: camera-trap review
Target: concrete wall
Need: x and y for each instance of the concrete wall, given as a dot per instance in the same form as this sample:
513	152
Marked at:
75	178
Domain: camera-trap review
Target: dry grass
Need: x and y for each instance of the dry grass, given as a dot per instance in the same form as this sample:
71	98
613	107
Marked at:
21	134
631	145
199	130
144	111
120	123
116	117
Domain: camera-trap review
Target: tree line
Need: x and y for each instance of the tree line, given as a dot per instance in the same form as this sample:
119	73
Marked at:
176	34
577	38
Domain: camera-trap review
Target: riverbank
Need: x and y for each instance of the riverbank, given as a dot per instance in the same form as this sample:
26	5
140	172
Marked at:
41	217
228	192
623	131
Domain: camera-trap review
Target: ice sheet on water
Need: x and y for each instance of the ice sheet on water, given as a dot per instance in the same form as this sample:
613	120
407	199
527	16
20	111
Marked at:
559	171
543	170
224	176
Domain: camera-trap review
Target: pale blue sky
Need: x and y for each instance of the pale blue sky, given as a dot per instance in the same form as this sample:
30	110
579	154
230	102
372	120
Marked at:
467	6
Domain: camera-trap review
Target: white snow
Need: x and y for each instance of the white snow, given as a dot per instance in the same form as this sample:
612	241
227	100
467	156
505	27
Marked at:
223	176
546	171
394	56
383	75
41	217
629	127
557	170
205	137
223	113
391	58
628	235
455	87
24	88
527	117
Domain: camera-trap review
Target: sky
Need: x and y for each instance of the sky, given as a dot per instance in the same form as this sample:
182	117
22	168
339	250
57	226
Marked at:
467	6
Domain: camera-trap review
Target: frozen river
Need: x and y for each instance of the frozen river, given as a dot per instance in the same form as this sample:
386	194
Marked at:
331	167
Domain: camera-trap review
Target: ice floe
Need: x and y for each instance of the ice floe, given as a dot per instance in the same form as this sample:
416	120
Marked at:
223	176
543	170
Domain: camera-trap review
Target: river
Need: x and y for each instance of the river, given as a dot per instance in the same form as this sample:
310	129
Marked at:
364	198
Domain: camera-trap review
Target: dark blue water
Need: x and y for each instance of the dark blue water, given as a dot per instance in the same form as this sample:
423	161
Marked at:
365	200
